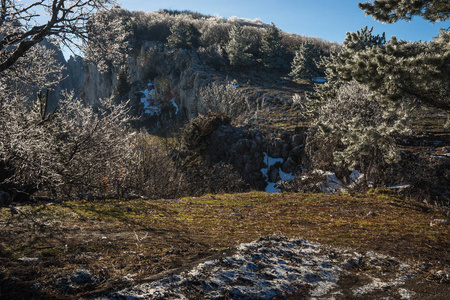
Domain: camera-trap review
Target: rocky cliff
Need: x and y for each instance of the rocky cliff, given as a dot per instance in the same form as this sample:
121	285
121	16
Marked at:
153	62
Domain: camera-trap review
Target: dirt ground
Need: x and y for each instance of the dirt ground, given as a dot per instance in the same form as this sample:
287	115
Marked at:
119	243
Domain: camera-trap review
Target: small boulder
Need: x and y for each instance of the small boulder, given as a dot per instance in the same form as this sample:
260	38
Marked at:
81	276
289	166
274	172
5	199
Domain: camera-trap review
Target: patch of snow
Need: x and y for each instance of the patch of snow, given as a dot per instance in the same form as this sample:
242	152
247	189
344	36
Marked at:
270	161
174	105
270	188
29	259
286	176
319	79
151	106
406	294
355	176
444	156
378	284
400	186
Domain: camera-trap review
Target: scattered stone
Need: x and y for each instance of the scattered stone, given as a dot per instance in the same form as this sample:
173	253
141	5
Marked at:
29	259
129	277
371	214
81	276
289	166
437	222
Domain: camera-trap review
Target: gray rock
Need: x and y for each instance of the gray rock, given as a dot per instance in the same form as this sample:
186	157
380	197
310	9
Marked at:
274	172
276	148
296	152
297	140
289	166
81	276
5	199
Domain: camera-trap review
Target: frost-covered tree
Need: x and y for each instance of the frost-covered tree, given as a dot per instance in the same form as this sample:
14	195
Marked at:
304	65
107	43
74	149
237	46
393	10
335	65
271	49
21	25
183	35
397	69
365	129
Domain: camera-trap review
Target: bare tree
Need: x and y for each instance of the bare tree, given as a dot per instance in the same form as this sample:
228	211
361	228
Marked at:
20	28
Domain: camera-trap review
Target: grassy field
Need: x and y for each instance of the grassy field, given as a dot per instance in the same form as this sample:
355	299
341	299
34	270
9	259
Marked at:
116	238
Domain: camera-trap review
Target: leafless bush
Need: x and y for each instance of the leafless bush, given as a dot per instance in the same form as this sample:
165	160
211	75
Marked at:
73	150
153	171
224	99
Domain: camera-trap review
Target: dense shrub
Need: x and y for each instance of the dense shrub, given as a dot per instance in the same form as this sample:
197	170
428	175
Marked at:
305	63
224	99
272	50
197	132
237	46
185	29
183	35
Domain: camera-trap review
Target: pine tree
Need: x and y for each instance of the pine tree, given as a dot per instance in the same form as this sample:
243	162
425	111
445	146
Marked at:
271	49
397	69
393	10
183	36
237	47
304	65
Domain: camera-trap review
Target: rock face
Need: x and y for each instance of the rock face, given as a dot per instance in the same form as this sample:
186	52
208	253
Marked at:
246	148
242	148
152	62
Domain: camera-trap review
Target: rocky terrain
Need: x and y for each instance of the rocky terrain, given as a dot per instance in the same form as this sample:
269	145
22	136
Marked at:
277	268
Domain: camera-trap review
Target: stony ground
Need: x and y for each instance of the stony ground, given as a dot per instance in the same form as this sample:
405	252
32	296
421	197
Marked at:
276	267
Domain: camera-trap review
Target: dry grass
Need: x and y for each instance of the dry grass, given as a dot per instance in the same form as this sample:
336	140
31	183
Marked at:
113	238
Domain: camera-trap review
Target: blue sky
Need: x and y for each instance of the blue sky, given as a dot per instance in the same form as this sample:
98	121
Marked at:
326	19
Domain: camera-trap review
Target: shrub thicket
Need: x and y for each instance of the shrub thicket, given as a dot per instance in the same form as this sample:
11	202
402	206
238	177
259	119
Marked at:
197	132
224	99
